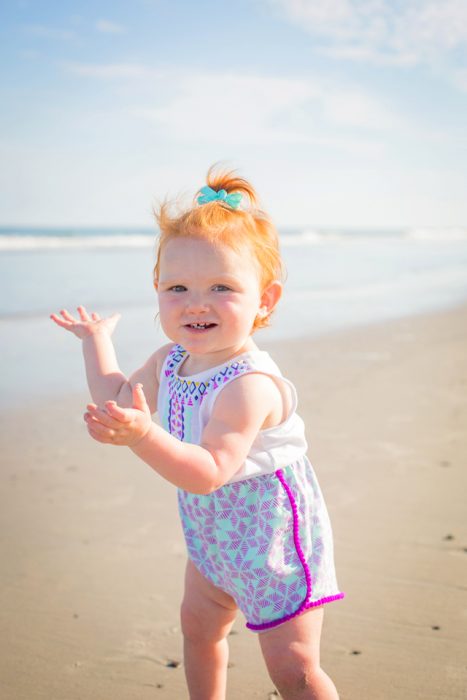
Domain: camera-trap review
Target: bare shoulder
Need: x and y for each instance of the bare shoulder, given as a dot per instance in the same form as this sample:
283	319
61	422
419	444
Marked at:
255	396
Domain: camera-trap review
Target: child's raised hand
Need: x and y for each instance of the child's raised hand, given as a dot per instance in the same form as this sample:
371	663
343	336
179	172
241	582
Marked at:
120	426
86	324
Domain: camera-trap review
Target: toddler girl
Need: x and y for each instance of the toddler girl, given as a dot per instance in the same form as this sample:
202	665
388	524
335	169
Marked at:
255	523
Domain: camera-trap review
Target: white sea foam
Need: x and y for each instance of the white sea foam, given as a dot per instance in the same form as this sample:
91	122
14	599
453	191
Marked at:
431	233
36	239
312	237
306	237
38	242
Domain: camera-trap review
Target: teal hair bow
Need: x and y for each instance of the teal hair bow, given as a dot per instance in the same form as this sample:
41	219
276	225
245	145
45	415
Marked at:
210	195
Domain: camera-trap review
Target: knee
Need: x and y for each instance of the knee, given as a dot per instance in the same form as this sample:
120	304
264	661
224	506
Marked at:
294	671
198	628
191	624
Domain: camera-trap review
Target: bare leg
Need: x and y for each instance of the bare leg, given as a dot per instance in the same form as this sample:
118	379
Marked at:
292	656
207	617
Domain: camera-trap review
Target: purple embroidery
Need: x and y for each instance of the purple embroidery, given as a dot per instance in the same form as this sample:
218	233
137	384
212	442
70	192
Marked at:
191	391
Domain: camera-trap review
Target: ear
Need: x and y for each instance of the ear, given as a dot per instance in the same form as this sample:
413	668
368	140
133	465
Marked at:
156	284
270	297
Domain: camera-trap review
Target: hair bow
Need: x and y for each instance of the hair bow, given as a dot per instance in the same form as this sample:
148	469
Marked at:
210	195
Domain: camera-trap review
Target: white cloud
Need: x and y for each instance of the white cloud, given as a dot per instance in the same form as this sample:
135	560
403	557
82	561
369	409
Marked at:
239	109
354	108
382	31
370	55
108	27
230	108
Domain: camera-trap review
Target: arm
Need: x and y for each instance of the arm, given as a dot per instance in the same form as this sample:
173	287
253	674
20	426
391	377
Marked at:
240	411
104	376
105	379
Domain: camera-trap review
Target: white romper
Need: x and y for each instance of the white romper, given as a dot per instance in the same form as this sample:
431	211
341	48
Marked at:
265	536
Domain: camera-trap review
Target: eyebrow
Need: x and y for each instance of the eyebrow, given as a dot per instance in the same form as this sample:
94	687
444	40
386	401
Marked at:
180	279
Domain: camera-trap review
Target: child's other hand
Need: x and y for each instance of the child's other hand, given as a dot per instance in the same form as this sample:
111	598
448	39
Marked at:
120	426
86	324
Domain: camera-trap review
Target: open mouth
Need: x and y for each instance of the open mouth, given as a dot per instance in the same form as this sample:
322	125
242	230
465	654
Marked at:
200	326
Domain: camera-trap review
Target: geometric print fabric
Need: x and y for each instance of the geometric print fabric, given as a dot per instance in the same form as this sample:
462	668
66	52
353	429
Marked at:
266	540
241	537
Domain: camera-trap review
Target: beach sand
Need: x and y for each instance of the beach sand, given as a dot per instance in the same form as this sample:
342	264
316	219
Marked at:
93	556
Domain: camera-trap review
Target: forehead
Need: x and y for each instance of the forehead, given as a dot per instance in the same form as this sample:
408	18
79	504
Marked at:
197	255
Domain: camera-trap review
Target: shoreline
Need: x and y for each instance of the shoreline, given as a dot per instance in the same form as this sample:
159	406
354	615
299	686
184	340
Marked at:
277	346
96	555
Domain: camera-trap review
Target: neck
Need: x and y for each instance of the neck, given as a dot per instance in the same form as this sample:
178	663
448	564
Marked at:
195	363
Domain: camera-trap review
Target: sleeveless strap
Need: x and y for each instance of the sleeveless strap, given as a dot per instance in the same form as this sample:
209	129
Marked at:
173	359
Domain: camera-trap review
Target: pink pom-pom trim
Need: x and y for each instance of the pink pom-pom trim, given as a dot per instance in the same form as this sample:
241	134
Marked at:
307	603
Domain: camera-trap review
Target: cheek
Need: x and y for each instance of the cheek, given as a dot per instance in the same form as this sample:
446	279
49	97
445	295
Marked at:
230	307
168	312
240	311
170	305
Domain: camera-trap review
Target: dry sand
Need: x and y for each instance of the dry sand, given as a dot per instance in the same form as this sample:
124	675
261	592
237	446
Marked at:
92	553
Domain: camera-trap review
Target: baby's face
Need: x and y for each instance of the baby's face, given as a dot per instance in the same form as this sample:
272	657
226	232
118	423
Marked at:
209	296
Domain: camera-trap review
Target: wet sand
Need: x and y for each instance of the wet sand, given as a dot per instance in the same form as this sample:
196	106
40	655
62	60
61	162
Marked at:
93	555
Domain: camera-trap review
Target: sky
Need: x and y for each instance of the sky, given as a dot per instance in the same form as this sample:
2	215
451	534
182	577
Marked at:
349	113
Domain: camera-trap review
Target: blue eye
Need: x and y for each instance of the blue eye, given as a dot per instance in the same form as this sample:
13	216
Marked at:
177	288
221	288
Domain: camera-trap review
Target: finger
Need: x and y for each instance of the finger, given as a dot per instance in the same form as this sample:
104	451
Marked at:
67	316
95	317
89	419
101	430
83	314
104	418
98	436
59	321
117	412
139	399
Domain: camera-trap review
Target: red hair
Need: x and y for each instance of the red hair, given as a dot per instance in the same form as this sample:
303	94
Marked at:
217	222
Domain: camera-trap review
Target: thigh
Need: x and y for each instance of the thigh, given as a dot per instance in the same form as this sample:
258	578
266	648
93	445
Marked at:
298	638
207	611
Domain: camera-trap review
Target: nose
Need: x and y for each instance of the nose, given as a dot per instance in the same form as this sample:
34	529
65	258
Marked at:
196	304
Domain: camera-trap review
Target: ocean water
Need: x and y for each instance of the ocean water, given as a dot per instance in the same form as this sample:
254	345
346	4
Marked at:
335	279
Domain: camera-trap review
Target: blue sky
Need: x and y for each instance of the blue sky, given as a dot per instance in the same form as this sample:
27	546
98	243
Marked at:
341	112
